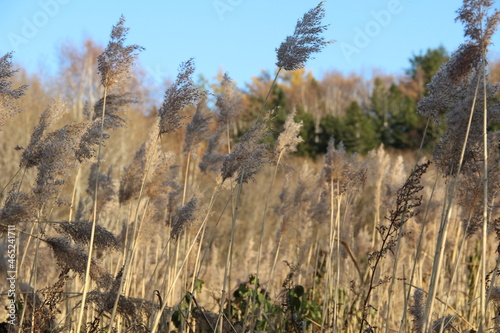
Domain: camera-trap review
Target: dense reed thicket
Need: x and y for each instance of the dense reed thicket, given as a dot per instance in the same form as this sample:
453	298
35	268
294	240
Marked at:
118	222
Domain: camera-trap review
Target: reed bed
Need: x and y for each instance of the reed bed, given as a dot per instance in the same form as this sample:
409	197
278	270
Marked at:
194	229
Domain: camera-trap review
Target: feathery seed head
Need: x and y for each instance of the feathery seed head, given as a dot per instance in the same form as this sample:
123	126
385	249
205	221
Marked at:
7	94
294	52
452	81
162	174
184	218
196	130
49	116
417	310
212	160
75	258
114	64
80	231
105	190
479	26
54	157
113	118
495	294
18	207
338	167
289	139
182	93
228	103
248	155
133	175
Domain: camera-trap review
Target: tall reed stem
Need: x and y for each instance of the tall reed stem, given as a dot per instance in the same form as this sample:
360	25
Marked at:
94	216
443	228
484	244
158	315
228	267
132	239
263	224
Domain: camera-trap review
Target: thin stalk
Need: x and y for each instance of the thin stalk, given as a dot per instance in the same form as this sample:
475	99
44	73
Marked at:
376	220
28	243
263	225
212	236
32	282
228	137
443	228
227	269
371	285
483	290
275	261
197	264
337	269
134	252
417	251
400	235
493	278
10	181
94	216
393	278
268	94
454	274
73	195
186	178
179	271
197	261
132	240
328	282
417	256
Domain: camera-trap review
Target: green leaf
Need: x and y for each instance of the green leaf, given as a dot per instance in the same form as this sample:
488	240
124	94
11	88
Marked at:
198	285
299	291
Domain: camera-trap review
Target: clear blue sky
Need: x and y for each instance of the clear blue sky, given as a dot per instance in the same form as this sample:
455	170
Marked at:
238	36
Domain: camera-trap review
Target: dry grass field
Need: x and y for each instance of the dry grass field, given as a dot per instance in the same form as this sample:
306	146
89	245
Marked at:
116	220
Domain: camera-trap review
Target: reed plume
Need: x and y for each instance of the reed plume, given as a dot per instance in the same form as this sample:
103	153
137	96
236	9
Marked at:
75	258
114	64
342	169
294	52
417	310
228	103
182	93
17	208
228	108
248	155
7	94
289	139
48	118
79	232
212	159
197	129
103	184
184	217
133	175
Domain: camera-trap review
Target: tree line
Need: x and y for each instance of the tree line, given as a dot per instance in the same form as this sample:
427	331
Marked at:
359	112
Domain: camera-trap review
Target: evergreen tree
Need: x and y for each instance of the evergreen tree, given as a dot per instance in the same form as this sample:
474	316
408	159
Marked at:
429	63
329	126
405	125
359	130
308	147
